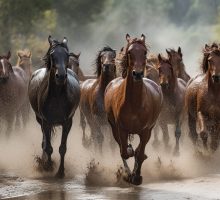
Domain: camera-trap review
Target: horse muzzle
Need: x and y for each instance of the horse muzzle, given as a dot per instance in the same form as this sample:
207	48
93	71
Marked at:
216	78
3	79
164	85
60	79
137	75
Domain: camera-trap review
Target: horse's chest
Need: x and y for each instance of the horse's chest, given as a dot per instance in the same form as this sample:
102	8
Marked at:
56	109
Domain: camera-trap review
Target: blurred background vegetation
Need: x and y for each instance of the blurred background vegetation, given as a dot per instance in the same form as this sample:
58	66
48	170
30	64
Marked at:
27	23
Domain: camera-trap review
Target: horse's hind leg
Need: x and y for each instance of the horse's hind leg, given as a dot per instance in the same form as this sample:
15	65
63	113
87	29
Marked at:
62	149
140	156
46	146
9	121
156	130
192	129
166	137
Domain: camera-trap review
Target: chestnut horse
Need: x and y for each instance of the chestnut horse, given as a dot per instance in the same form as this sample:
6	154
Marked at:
176	59
133	104
202	100
173	89
13	91
92	97
54	94
74	65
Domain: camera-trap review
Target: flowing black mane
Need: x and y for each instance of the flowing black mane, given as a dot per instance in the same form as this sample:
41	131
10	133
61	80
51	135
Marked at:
52	47
98	64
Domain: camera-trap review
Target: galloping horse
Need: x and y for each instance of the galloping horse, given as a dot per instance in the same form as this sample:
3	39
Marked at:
202	100
13	91
74	65
25	63
176	59
173	89
54	94
92	96
133	104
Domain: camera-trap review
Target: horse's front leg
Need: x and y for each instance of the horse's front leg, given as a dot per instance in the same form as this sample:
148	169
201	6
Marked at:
46	146
177	136
62	149
165	132
140	156
202	129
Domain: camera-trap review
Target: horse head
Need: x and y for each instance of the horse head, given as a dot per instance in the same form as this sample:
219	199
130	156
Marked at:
74	62
5	67
57	59
105	62
211	61
166	72
136	52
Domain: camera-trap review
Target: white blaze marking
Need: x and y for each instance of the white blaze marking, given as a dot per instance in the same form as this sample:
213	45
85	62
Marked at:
3	65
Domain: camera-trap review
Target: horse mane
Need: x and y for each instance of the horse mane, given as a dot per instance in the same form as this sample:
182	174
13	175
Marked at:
213	48
46	58
123	57
164	60
98	63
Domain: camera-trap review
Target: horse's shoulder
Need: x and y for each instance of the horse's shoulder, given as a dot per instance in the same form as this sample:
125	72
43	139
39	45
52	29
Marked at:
115	83
151	84
88	83
196	80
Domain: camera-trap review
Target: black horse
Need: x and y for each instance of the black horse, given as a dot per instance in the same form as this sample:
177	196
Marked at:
54	94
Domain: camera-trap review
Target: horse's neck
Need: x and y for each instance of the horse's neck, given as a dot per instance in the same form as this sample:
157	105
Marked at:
212	87
133	91
52	88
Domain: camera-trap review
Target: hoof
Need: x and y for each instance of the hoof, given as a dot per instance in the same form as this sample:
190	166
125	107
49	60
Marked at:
43	165
60	175
130	151
136	180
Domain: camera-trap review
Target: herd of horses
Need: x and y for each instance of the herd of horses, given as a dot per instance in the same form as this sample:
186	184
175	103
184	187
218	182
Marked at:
131	92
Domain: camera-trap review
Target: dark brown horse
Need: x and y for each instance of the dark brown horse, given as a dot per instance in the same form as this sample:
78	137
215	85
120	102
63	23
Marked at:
133	104
54	94
203	100
174	93
176	59
74	65
13	91
92	97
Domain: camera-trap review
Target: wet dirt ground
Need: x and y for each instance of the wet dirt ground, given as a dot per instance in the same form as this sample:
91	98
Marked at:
164	176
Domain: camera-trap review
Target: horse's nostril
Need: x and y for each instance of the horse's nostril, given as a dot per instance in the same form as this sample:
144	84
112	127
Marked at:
65	75
56	75
133	73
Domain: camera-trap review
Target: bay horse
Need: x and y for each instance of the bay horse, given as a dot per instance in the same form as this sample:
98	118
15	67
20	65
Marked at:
74	65
173	89
24	62
176	59
202	100
92	97
13	91
133	104
54	94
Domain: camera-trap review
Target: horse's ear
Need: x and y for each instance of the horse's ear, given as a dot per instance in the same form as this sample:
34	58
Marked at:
160	58
29	54
8	55
50	40
78	55
168	53
180	52
128	37
65	41
19	54
143	37
122	49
